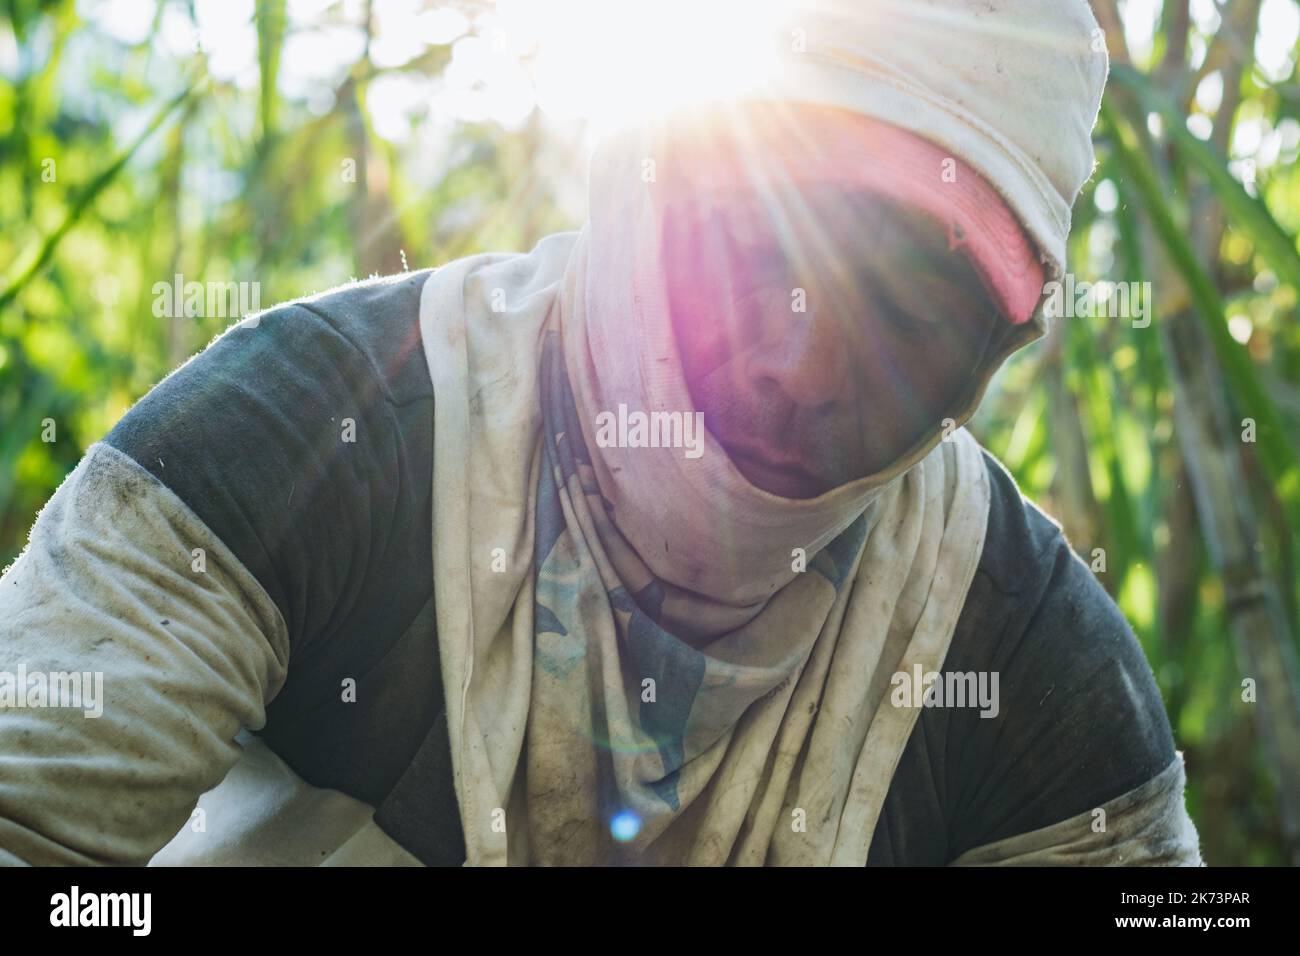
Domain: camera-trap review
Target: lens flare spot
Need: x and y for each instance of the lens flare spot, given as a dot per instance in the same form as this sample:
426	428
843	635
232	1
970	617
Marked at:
625	826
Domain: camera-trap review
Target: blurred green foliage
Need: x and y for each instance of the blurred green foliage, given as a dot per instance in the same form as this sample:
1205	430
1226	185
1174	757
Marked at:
125	161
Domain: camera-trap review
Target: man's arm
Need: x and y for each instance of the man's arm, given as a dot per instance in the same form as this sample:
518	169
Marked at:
243	513
122	586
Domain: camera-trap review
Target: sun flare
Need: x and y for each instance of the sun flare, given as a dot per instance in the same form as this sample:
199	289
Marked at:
614	61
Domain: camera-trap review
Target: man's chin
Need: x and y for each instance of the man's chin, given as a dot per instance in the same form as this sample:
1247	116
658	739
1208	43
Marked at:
780	481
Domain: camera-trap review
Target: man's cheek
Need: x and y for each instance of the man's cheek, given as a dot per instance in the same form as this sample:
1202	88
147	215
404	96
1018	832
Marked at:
726	400
707	338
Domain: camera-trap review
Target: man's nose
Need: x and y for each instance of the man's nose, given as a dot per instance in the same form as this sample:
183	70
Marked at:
806	358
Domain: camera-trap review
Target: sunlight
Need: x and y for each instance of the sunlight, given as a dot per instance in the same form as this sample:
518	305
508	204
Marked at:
620	60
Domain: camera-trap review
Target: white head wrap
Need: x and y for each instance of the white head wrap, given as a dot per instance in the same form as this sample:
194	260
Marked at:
1011	86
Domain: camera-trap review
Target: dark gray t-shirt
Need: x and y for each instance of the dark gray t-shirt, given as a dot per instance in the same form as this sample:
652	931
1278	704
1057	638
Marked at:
339	535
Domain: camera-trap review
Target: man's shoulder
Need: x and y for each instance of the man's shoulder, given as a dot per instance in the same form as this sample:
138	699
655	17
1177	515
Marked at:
1019	535
380	298
1035	606
1080	718
377	319
1033	592
301	364
302	437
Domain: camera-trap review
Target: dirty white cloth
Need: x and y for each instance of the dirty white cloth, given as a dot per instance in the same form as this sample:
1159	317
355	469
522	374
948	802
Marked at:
121	578
781	715
264	814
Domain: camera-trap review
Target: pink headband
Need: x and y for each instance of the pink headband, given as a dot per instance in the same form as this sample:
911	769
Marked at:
829	145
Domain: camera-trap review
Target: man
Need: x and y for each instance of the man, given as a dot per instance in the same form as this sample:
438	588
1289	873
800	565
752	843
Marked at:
824	628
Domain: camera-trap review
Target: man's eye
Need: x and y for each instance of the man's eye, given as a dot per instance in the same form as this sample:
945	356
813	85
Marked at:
758	265
918	298
906	323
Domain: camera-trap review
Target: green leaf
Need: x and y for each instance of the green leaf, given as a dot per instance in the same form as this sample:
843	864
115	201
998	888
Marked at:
87	196
1248	213
271	19
1275	450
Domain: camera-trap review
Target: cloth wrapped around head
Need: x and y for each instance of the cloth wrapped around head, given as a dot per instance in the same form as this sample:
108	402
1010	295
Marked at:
1010	87
691	659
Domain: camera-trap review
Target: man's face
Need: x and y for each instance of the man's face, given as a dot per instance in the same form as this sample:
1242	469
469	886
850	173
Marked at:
822	337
